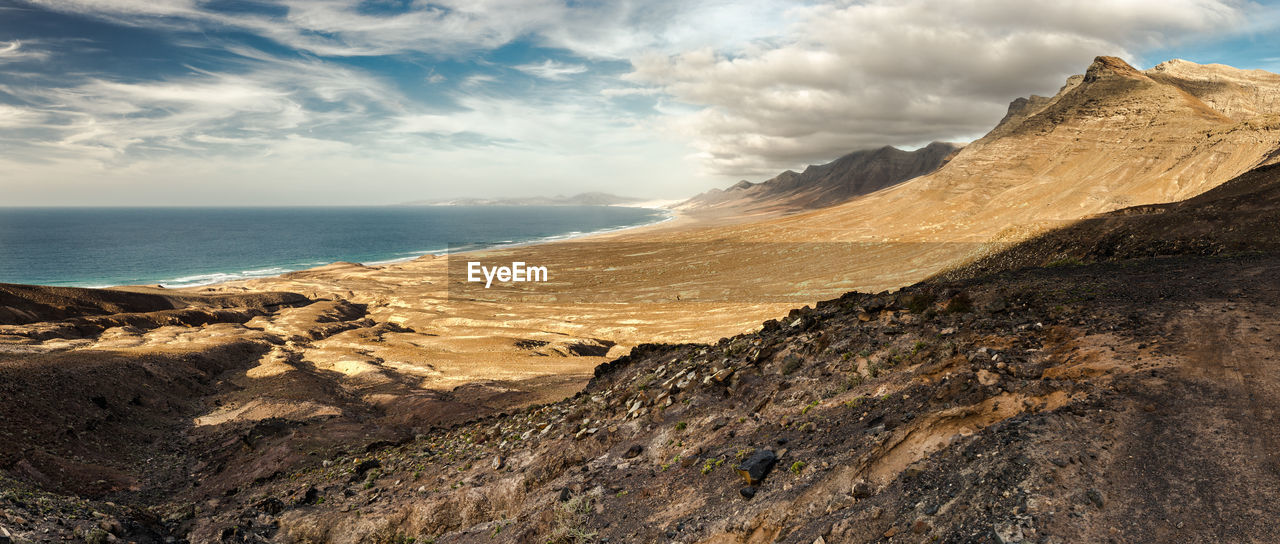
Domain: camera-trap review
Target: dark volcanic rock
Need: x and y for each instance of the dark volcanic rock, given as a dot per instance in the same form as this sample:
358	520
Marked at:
757	466
366	466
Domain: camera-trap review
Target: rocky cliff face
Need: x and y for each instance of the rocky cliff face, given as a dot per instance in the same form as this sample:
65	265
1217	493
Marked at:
855	174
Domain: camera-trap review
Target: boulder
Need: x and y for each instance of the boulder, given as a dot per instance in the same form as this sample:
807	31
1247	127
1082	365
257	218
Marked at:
757	466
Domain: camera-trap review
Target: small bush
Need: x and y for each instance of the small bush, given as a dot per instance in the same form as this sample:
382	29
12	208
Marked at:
919	346
569	521
797	467
709	465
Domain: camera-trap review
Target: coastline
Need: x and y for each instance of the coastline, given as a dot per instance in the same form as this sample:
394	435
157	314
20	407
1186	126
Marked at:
669	215
194	281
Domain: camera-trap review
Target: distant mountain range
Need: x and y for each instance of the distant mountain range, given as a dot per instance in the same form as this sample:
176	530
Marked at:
582	199
855	174
1110	138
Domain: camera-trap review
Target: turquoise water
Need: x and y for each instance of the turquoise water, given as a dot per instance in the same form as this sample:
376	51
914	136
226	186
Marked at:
178	247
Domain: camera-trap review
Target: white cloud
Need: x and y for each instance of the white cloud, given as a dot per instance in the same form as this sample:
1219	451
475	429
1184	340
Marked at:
613	29
15	51
266	100
477	80
16	117
551	69
754	85
898	72
267	129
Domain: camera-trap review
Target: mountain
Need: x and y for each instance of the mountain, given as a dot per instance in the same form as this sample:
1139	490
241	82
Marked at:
581	199
858	173
1110	138
1083	403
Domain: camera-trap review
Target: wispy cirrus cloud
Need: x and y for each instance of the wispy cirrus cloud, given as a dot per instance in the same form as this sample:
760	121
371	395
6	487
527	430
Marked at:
202	111
448	27
551	69
498	96
14	51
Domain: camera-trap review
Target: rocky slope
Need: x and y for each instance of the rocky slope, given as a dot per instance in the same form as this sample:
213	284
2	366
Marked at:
1129	400
858	173
1118	394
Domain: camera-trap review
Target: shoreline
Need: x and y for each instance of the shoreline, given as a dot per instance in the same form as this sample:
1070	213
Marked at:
268	272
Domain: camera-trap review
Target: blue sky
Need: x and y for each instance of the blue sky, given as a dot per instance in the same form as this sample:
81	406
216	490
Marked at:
235	102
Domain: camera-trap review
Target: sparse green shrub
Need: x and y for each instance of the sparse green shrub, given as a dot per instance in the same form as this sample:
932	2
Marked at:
674	461
919	346
797	467
709	465
681	426
569	522
498	527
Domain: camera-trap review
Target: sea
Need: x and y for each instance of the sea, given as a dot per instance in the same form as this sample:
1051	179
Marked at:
185	247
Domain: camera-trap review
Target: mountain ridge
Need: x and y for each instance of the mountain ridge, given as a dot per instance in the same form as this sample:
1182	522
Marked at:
821	185
1110	138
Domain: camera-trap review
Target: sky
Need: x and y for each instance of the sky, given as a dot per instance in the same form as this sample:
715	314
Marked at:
369	102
